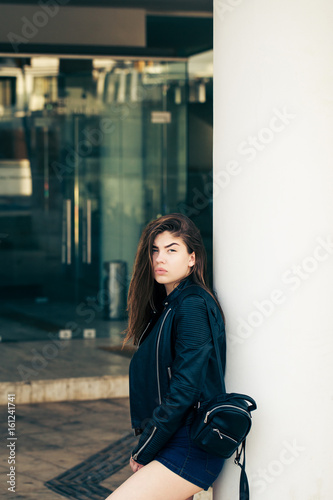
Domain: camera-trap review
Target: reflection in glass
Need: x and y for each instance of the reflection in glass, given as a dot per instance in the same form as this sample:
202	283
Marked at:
90	151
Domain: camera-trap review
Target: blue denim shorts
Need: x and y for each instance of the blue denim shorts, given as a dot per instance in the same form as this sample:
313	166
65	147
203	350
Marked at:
183	457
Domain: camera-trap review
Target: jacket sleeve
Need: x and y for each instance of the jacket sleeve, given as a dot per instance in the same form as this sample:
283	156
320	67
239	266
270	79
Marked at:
193	348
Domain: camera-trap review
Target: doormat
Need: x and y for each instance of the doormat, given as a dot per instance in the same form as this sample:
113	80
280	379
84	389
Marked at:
82	481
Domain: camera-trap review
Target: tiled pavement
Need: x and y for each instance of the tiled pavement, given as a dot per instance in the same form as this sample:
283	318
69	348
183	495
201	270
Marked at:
53	438
76	450
67	449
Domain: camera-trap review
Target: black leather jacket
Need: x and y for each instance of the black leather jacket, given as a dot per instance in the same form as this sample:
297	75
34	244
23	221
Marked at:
174	367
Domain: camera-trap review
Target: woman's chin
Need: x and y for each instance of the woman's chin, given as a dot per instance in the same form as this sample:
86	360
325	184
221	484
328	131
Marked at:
161	279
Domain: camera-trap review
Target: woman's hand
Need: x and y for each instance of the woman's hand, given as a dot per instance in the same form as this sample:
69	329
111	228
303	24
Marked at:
134	465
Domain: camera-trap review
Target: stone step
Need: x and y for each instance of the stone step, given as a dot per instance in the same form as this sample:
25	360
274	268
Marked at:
65	389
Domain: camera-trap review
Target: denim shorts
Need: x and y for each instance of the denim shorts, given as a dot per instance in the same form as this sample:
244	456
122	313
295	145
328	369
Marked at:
183	457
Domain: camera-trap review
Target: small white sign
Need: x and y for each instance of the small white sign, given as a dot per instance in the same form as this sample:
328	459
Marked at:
89	333
65	334
161	117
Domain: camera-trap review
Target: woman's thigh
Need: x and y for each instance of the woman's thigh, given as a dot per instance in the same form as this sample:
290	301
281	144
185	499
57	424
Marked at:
155	482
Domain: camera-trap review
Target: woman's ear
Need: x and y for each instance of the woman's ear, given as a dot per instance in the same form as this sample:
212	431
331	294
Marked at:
192	260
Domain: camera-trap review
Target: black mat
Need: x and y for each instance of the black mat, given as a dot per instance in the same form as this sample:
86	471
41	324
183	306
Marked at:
82	480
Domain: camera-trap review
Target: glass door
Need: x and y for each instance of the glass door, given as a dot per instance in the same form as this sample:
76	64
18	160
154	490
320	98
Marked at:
89	157
78	177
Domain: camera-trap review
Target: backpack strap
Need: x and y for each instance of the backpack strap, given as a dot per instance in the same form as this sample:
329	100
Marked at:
198	290
244	491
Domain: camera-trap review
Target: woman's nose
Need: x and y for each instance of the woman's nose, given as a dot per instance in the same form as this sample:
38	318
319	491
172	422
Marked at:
160	257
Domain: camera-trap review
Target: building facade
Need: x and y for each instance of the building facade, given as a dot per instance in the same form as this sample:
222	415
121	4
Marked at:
106	123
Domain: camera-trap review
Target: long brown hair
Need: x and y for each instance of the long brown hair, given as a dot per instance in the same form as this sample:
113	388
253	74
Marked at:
145	294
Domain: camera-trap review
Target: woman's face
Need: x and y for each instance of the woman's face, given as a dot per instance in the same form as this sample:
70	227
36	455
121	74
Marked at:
171	260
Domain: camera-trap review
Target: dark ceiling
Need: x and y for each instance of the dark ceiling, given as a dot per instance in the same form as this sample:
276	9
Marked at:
204	6
174	28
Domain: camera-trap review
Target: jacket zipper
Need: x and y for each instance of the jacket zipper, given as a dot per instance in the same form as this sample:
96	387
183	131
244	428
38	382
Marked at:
157	363
135	456
225	406
144	331
169	372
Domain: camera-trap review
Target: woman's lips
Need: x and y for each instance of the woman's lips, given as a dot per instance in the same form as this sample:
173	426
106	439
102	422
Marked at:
160	271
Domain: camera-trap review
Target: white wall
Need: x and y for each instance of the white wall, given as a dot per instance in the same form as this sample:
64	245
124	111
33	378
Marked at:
273	237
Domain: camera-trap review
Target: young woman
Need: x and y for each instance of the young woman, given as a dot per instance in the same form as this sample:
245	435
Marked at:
175	366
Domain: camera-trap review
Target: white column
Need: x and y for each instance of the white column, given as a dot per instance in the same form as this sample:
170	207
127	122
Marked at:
273	237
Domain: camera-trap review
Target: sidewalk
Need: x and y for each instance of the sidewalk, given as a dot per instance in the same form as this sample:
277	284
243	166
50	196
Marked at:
68	449
72	419
38	365
63	370
76	450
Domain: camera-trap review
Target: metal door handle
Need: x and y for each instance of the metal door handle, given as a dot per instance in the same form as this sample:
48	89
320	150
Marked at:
66	254
88	231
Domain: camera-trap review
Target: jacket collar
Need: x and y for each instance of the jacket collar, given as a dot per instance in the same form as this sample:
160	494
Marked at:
176	291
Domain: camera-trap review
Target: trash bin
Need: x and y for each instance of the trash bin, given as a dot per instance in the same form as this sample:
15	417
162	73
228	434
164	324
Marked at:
115	286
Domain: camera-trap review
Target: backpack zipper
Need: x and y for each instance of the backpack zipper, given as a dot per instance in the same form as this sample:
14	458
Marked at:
226	406
157	363
221	435
135	456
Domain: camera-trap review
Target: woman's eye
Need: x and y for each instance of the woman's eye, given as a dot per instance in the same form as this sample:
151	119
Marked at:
154	250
